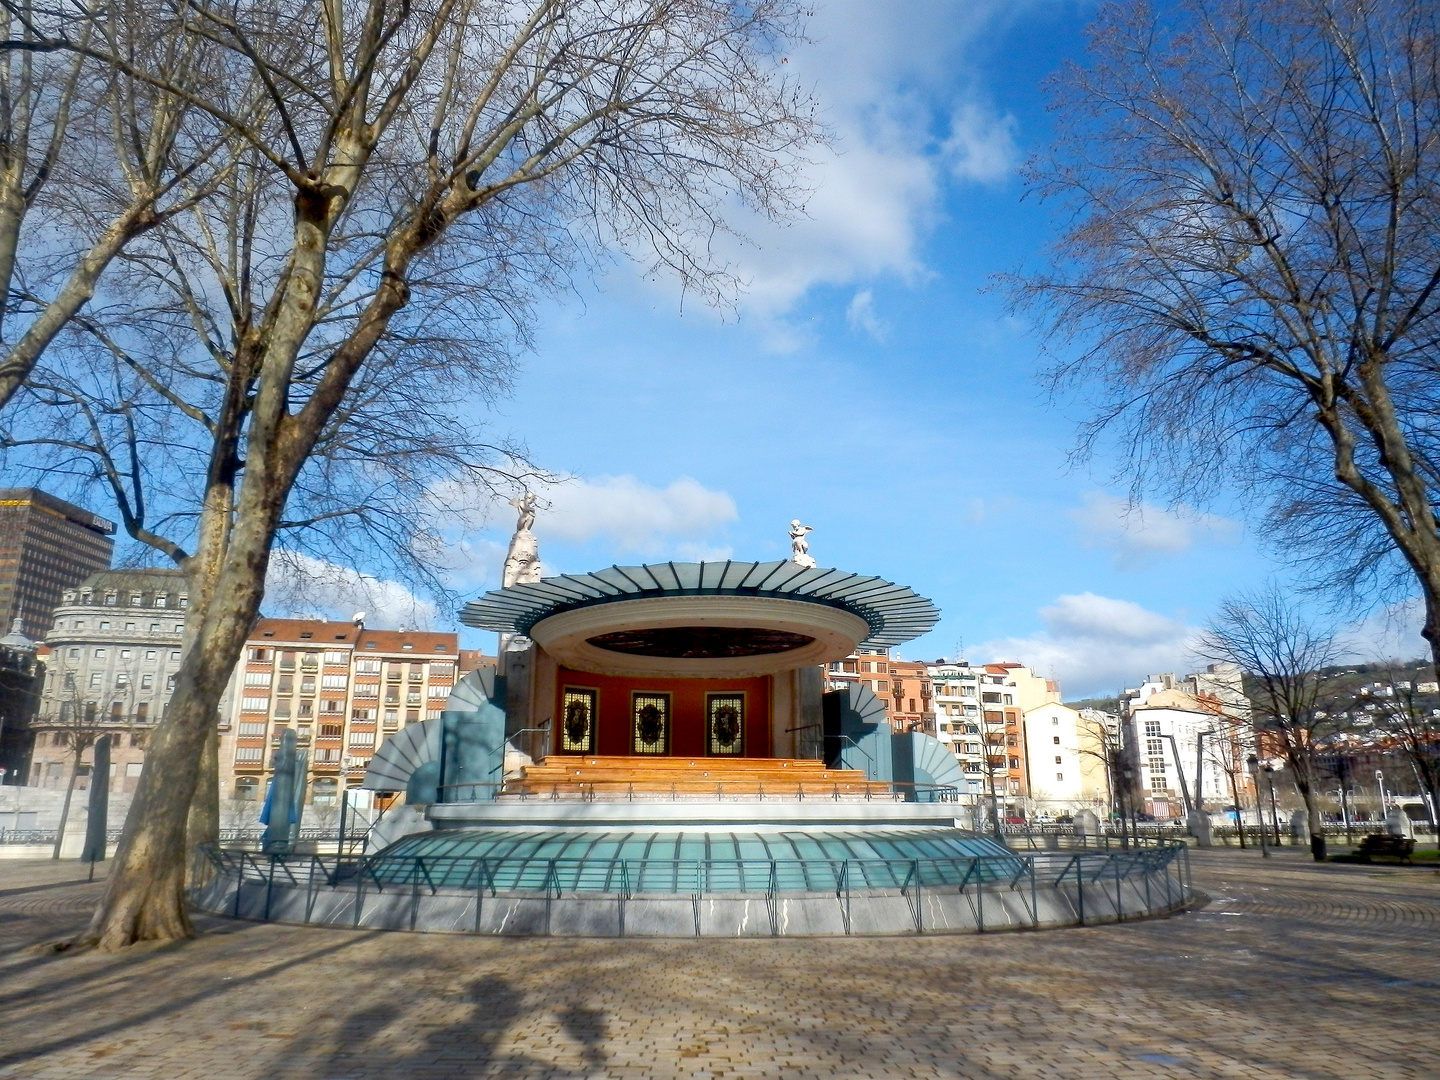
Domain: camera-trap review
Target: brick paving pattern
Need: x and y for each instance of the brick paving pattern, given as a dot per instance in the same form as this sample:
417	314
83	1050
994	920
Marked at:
1291	970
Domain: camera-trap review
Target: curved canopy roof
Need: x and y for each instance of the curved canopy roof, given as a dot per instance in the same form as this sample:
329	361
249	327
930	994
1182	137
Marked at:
894	613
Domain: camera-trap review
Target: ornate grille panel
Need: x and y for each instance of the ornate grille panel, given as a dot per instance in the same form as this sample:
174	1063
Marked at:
577	727
651	727
725	724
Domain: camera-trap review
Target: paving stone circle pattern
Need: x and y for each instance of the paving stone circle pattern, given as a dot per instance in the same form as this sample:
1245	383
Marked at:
1291	970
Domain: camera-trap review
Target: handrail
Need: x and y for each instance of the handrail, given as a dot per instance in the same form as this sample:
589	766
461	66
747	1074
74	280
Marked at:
556	876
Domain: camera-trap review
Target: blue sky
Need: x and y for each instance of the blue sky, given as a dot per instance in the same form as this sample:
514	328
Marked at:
871	383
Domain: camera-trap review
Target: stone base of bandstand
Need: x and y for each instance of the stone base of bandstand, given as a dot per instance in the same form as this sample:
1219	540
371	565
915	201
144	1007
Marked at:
983	909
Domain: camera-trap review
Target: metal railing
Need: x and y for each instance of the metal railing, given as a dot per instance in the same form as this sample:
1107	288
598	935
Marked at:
695	791
1160	875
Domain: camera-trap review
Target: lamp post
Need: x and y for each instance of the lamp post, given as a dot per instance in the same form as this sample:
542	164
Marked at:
1380	783
1252	765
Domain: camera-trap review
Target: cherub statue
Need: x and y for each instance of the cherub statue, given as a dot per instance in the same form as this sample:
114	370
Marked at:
799	546
525	504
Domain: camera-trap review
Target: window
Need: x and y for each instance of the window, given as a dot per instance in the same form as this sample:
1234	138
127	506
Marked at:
260	655
330	731
287	659
327	755
1014	763
334	682
882	685
117	711
367	690
99	654
1152	729
363	714
362	738
392	717
1055	720
149	654
1060	776
247	788
334	706
142	712
251	728
440	691
160	600
310	660
129	626
337	657
69	680
74	654
110	598
1009	699
184	602
282	707
179	628
169	683
175	655
249	753
1058	760
104	624
417	672
254	704
257	678
1010	740
122	680
306	707
95	680
442	670
990	699
1057	740
367	667
134	599
412	715
79	624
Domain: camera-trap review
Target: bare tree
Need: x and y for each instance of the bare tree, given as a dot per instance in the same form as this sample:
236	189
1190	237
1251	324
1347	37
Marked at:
77	725
1282	654
1251	267
416	176
131	153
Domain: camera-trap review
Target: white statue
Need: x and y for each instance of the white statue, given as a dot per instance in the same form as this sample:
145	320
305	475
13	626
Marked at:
799	546
522	561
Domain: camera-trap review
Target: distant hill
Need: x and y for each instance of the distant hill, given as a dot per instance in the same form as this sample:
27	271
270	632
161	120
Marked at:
1104	704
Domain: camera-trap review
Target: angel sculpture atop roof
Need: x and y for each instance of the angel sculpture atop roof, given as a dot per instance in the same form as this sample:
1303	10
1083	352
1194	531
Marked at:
799	546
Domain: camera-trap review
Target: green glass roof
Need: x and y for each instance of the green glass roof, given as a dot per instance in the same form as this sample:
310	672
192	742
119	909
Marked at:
667	862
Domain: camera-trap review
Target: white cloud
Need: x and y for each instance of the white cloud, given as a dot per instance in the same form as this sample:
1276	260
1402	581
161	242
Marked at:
631	515
894	82
860	316
625	513
1097	645
300	585
981	146
1140	534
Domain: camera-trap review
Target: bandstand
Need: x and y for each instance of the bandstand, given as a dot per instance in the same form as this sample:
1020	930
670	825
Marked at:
656	754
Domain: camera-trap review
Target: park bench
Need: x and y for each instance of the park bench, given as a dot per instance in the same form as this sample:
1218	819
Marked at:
1400	847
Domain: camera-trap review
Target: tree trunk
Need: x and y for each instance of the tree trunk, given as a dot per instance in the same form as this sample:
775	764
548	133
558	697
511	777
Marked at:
1305	781
144	899
65	806
203	825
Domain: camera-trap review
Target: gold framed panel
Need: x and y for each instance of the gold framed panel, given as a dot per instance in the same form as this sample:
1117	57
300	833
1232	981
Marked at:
579	706
725	723
650	722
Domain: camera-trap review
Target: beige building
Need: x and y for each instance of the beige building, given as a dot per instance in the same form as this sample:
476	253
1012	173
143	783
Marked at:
1067	755
342	688
114	651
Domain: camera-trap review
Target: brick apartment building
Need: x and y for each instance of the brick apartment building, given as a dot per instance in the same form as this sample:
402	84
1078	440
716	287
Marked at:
342	688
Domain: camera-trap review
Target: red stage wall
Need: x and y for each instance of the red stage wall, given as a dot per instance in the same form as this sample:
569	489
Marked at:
687	708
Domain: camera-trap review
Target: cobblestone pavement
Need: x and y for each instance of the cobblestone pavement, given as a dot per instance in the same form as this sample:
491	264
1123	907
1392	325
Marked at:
1291	970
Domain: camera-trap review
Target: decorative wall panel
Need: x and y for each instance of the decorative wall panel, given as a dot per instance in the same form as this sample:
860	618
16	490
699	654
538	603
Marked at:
725	724
651	723
577	726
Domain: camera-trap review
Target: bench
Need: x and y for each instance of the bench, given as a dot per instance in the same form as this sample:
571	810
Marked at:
1400	847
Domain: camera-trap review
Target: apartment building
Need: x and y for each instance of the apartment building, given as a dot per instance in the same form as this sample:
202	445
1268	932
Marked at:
113	654
1185	739
867	666
1067	753
342	688
980	712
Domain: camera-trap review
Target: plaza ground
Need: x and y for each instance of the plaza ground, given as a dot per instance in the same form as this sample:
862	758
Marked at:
1290	970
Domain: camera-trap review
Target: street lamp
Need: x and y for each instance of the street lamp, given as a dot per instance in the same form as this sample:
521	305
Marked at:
1380	783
